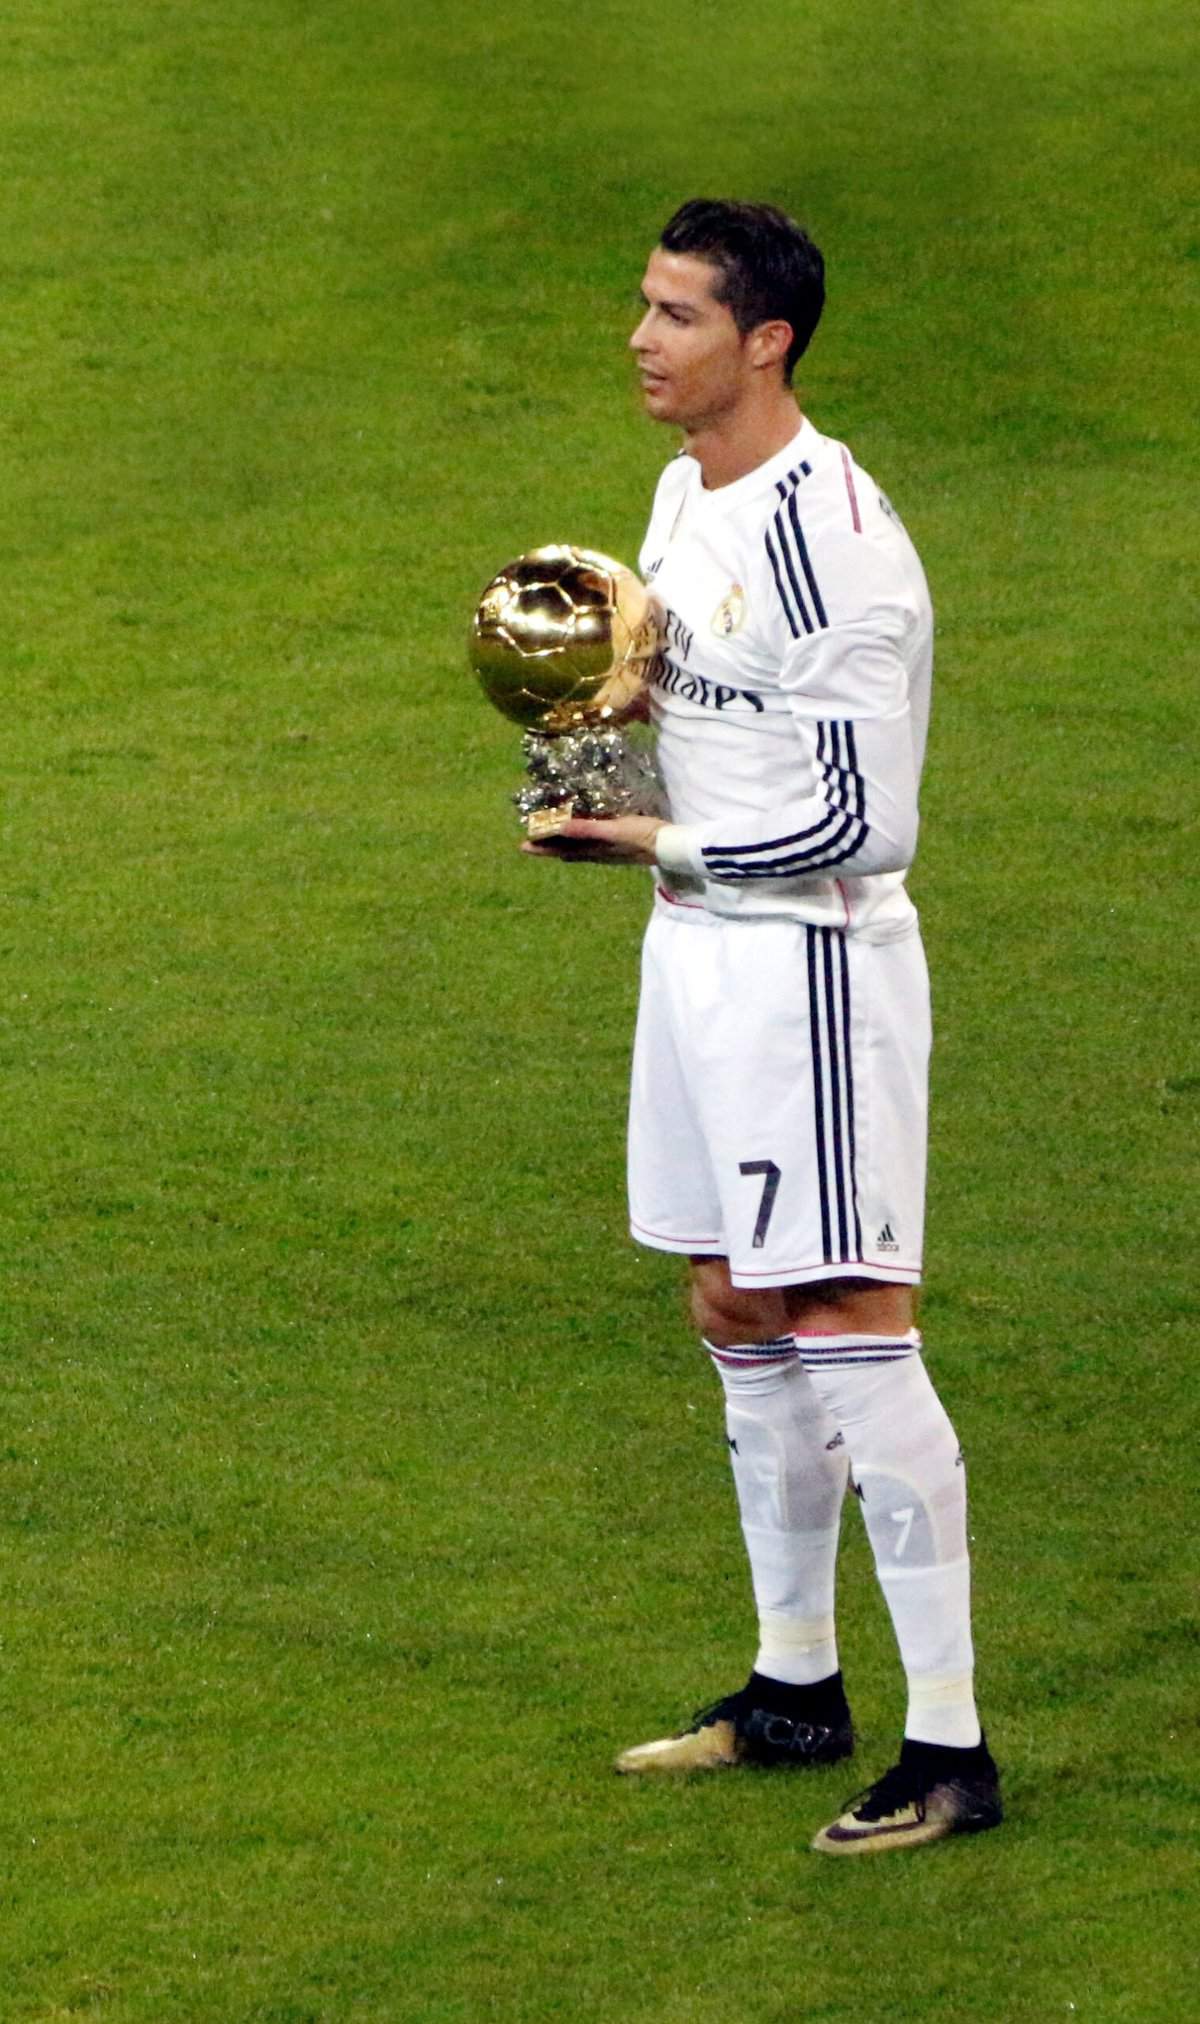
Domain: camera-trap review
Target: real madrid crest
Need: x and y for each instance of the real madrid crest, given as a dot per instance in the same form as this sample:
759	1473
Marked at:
729	614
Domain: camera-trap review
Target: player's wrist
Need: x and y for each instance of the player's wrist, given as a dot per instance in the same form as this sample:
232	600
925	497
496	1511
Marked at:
677	849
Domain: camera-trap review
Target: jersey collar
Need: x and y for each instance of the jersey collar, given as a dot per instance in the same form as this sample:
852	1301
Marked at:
804	448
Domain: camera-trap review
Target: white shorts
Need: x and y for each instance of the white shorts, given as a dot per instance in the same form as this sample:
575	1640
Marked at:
779	1101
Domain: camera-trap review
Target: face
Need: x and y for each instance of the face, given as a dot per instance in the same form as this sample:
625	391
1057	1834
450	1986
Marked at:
695	364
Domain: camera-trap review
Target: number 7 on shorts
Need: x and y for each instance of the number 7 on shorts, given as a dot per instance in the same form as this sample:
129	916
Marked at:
770	1174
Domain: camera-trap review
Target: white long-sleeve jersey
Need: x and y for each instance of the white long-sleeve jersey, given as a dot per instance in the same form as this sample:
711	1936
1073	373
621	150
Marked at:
791	692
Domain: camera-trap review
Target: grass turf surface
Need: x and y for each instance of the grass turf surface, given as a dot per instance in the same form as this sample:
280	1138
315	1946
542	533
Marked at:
361	1488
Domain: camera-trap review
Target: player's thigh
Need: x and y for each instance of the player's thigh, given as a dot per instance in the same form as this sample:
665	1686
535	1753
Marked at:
809	1074
889	993
751	1053
673	1200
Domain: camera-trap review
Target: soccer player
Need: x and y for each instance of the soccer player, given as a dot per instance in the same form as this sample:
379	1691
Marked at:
778	1114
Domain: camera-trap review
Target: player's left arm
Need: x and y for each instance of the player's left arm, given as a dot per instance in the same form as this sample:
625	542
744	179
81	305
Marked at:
847	803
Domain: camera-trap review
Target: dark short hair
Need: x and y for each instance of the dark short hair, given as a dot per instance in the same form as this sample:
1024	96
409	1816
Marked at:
768	265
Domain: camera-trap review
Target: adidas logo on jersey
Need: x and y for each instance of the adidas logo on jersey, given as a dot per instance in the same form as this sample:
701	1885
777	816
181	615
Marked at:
886	1240
730	614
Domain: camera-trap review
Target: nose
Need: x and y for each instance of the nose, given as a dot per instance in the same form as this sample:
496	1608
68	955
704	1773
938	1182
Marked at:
639	341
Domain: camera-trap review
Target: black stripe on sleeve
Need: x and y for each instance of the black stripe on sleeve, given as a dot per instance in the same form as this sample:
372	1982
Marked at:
805	564
783	598
781	535
838	833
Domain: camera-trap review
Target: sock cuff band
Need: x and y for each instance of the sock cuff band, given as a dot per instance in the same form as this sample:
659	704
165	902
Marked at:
753	1355
845	1352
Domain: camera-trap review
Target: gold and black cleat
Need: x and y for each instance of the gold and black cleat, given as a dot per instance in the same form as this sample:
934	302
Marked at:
766	1723
932	1792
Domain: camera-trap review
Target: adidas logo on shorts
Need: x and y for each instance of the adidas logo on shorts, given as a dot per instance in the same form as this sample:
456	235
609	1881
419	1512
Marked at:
886	1240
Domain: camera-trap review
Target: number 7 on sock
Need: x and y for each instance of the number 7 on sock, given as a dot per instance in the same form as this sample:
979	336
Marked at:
770	1174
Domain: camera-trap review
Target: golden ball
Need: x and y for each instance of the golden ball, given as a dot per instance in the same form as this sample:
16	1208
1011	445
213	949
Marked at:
562	637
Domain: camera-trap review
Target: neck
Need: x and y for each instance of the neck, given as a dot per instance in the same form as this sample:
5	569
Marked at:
728	447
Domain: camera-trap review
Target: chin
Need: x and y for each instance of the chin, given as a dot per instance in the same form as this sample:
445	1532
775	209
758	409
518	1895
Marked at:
658	406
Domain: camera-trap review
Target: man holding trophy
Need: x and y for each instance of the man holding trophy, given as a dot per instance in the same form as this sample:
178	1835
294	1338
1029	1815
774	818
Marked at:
778	1112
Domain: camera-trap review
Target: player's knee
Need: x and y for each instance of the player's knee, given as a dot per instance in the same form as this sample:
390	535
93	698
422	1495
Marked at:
830	1306
725	1314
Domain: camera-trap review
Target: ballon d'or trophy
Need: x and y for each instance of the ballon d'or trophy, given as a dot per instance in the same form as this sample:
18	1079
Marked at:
562	641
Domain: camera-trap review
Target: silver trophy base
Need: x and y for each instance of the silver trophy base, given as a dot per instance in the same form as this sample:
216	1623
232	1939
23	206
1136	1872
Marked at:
589	773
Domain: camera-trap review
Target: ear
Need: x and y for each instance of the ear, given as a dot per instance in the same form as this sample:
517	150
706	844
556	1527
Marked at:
768	343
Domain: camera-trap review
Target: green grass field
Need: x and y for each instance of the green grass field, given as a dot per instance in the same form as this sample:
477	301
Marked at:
362	1489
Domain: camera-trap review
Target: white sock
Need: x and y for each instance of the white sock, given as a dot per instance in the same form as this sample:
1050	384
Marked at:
790	1469
908	1472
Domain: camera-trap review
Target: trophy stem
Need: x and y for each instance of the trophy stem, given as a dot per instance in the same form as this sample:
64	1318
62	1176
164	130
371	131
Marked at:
584	772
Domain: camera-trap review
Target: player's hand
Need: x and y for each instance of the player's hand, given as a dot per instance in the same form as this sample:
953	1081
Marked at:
611	839
636	711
